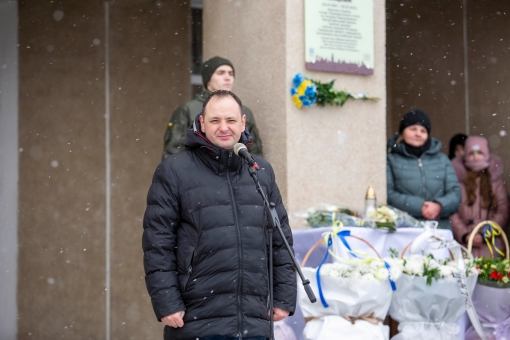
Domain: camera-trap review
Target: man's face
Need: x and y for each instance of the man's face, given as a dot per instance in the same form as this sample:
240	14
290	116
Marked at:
223	122
222	79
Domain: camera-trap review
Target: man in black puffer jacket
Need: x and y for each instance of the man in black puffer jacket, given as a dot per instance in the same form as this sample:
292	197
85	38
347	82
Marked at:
205	238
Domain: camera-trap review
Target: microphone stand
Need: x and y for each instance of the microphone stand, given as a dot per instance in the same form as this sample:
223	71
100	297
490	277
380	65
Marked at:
274	222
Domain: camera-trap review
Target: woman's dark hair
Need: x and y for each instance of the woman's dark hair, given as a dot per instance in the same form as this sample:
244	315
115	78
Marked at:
487	197
458	139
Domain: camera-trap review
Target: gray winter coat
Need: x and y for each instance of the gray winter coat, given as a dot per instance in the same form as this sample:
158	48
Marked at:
411	180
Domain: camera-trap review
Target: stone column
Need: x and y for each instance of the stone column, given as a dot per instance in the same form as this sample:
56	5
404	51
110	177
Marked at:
8	167
329	154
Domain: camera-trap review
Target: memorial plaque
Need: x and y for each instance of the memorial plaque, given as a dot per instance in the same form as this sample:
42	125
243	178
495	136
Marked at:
339	36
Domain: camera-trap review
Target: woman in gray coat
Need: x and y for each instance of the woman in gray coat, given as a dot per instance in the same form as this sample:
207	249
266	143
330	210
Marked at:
421	180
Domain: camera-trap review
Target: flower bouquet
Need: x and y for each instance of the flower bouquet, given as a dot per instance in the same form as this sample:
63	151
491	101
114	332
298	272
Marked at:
429	300
491	297
330	214
392	218
355	294
493	272
306	92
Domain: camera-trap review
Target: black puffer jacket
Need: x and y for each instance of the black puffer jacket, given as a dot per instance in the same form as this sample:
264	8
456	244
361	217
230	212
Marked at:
205	243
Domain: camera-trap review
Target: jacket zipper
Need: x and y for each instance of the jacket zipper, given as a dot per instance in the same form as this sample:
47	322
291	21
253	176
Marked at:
422	177
190	270
240	252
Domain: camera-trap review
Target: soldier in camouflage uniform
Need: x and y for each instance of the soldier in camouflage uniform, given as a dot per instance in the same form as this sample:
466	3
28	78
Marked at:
217	74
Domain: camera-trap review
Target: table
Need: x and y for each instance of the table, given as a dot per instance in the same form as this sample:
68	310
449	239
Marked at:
380	239
292	327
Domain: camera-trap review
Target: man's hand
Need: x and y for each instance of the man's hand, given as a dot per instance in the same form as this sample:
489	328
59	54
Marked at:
174	320
431	210
278	314
477	241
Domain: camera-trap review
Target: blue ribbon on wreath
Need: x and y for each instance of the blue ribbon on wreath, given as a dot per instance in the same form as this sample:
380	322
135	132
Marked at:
342	235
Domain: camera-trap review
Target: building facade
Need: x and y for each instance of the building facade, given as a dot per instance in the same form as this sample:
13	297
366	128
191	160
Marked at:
87	89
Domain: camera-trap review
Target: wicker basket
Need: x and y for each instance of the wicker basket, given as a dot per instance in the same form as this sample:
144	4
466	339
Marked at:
495	226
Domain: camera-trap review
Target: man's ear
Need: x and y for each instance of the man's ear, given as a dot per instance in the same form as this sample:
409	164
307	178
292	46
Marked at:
244	122
201	118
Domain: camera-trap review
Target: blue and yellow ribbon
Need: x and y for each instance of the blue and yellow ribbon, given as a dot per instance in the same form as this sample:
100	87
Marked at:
336	230
490	232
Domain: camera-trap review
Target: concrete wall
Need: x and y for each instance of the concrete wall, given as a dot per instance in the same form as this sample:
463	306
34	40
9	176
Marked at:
489	74
98	83
425	64
319	154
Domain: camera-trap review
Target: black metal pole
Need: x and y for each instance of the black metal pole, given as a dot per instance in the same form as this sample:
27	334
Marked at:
271	307
274	222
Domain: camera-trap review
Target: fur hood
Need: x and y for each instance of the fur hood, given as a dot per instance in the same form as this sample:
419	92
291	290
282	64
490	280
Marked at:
495	167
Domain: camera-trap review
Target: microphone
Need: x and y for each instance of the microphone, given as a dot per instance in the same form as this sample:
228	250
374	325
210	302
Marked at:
241	150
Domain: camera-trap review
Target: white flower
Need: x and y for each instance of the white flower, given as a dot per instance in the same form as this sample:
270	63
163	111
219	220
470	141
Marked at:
368	277
431	263
438	268
414	265
472	271
354	270
396	267
355	275
375	264
382	274
395	273
447	271
399	263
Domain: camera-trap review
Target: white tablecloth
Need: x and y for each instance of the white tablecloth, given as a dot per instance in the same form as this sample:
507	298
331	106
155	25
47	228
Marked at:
380	239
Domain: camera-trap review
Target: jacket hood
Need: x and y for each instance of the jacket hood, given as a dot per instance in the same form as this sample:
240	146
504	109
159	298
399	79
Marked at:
202	96
214	156
394	147
495	167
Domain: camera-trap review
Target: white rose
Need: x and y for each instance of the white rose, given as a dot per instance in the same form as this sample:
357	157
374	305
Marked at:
446	271
399	263
395	273
431	264
382	274
396	266
414	266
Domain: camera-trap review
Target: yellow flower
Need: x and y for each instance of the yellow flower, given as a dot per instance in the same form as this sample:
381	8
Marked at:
505	279
297	101
302	87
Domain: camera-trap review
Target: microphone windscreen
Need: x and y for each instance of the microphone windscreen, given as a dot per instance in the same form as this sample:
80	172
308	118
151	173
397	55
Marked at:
237	147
